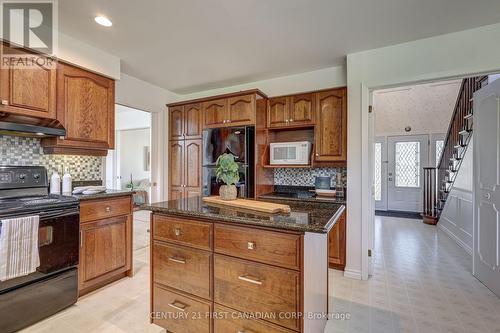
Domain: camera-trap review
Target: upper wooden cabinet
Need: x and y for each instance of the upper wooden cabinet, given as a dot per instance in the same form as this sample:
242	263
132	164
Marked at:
86	109
331	125
214	113
185	122
241	110
295	110
27	91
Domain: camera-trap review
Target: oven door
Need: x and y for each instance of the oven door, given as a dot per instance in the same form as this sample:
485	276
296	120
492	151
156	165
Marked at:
58	244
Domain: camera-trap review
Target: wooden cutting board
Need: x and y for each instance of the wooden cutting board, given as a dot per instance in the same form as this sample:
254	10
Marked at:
260	206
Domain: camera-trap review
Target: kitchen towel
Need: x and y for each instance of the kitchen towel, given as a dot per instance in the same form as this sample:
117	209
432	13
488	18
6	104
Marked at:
19	247
89	189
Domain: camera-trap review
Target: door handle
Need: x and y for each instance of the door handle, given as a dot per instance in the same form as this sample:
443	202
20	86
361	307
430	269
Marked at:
487	196
390	179
177	260
250	279
178	306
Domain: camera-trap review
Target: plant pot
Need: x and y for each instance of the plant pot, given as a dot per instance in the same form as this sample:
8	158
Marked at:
228	192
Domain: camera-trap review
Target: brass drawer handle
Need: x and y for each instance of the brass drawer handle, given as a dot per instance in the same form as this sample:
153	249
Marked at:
245	331
178	306
108	209
177	260
251	245
177	231
250	279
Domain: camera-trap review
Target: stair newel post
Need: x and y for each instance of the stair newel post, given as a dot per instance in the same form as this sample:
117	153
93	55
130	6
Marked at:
429	213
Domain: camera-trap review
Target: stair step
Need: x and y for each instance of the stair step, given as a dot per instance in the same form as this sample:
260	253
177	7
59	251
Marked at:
468	116
455	158
444	191
451	170
460	145
465	131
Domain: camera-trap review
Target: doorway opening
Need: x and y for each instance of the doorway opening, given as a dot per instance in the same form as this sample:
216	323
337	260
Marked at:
128	166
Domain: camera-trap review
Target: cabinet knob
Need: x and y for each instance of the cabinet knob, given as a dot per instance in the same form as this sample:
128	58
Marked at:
291	120
177	231
287	120
317	154
251	245
228	120
108	209
224	121
5	102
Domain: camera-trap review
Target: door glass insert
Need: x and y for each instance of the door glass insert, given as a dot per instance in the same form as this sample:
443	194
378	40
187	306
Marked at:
377	177
407	164
439	150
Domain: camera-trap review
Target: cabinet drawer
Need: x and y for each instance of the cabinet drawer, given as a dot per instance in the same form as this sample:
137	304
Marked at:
100	209
183	268
269	247
183	231
254	287
180	314
231	321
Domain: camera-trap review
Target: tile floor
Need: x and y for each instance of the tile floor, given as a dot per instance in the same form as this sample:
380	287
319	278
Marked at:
422	283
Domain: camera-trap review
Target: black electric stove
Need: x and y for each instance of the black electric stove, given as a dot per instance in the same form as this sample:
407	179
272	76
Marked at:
25	300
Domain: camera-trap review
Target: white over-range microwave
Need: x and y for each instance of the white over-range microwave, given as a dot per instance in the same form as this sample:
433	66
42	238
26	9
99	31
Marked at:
290	153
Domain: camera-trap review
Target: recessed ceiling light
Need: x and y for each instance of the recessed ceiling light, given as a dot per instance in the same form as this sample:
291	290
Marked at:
103	20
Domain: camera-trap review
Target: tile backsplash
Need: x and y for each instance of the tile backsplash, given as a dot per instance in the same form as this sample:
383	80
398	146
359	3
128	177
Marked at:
16	150
306	176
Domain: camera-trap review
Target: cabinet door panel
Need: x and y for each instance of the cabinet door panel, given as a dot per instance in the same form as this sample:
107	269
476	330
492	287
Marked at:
242	110
336	241
192	121
331	129
278	112
301	109
176	123
176	193
192	163
29	90
104	247
176	163
215	113
86	107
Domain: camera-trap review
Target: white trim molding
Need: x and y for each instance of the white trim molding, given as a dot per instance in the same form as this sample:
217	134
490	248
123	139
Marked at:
352	274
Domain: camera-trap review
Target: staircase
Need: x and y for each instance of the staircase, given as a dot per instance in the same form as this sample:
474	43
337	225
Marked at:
439	181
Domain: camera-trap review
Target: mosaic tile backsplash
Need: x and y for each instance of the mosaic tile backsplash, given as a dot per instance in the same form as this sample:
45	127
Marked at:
306	176
16	150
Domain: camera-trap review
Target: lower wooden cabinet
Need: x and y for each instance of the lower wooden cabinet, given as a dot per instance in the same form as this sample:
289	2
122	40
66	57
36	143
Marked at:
185	169
105	246
180	313
337	244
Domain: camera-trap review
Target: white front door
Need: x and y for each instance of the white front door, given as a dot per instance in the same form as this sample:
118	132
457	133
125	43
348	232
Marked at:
380	173
407	155
486	170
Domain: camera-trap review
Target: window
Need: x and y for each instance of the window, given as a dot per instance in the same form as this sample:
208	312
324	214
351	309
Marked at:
377	176
439	150
407	171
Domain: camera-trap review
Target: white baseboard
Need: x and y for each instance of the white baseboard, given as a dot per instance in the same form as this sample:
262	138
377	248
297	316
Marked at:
352	274
455	238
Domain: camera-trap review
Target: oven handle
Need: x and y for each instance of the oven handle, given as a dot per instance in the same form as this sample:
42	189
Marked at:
58	213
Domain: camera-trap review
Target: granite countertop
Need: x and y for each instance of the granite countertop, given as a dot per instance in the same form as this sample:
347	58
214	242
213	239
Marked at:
304	216
104	195
298	197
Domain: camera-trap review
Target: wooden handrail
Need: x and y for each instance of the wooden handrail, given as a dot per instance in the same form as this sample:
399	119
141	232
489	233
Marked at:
457	138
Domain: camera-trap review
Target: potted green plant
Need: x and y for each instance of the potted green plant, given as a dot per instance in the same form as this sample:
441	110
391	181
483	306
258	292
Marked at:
227	171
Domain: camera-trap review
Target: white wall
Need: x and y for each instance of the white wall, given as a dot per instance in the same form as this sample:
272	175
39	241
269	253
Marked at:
128	118
447	56
132	143
457	216
308	81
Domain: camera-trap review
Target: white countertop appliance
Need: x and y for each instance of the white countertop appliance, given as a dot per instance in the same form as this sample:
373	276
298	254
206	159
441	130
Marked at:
290	153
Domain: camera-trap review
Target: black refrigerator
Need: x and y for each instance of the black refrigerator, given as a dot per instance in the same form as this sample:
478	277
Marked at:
239	141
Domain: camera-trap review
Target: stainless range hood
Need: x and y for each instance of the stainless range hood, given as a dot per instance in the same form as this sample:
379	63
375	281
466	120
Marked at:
19	129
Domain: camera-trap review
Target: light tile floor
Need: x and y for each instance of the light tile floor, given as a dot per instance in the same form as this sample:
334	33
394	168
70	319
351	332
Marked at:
422	283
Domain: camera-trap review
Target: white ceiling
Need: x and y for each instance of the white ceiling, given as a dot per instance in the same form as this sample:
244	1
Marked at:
191	45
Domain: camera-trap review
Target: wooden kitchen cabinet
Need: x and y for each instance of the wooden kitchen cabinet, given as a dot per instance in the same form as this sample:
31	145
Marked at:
214	113
185	122
241	110
28	90
337	244
185	168
105	242
331	126
277	115
86	109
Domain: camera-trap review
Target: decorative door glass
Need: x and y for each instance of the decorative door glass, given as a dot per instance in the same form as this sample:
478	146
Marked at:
439	150
407	164
377	177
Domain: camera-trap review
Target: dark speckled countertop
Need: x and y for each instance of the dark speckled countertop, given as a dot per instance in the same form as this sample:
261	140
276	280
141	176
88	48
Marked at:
103	195
298	197
304	216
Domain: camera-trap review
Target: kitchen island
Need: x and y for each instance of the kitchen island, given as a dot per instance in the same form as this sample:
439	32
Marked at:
221	269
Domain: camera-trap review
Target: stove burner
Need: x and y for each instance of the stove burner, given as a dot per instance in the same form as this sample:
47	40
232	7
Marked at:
40	202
